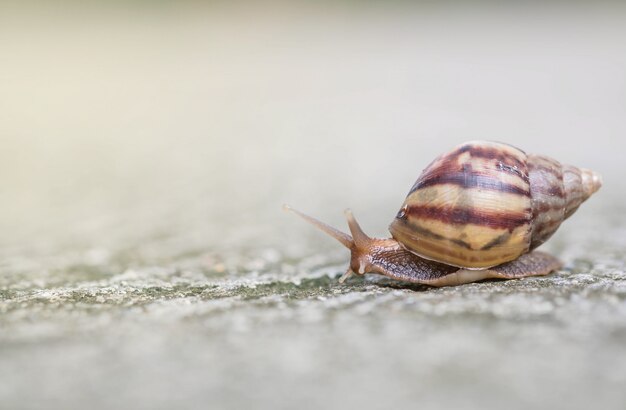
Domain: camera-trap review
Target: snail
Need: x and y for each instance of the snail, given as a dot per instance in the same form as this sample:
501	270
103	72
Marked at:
476	212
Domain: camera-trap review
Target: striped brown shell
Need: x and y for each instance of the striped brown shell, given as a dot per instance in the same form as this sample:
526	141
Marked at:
486	203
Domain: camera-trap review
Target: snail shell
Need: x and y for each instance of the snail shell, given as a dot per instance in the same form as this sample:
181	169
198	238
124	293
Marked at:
486	203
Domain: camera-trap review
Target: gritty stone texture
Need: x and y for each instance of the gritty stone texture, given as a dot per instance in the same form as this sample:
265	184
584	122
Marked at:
274	332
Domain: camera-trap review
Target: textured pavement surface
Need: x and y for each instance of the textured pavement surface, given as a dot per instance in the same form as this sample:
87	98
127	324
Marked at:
278	332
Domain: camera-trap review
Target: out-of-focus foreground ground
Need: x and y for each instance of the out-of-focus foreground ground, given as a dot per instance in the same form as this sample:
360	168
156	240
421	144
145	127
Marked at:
145	152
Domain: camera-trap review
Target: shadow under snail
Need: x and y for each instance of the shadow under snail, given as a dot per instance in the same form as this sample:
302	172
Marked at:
476	212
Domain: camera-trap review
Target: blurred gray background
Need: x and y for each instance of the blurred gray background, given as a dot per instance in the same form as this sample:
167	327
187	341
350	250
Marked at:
146	149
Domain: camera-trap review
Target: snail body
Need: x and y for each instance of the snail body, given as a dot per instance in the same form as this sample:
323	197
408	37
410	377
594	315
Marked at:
476	212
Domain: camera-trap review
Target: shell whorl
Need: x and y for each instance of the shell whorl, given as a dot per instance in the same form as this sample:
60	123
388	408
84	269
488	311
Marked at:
486	203
557	190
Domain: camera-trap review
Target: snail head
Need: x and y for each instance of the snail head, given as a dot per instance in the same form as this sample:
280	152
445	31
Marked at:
361	246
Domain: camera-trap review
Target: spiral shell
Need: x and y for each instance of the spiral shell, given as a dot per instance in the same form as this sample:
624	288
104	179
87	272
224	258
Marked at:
486	203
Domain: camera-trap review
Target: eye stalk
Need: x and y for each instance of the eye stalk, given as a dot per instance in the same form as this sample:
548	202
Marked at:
359	243
343	238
